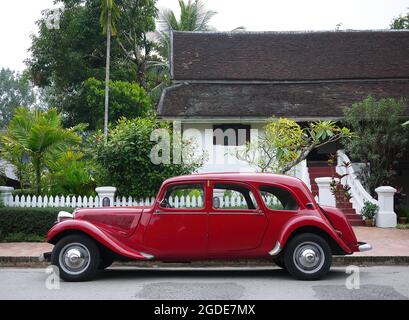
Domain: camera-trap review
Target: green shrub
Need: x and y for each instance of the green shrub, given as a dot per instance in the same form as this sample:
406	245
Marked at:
126	99
403	213
369	210
125	160
22	237
380	139
26	224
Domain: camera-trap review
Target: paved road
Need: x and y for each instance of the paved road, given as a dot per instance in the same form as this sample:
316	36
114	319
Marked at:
388	282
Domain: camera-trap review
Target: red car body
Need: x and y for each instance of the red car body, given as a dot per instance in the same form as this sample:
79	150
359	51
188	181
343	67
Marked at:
181	234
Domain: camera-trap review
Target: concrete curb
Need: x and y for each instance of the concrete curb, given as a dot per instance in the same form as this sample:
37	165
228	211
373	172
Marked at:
33	262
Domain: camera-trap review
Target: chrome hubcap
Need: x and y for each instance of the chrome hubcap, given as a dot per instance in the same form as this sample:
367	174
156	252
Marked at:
308	257
74	258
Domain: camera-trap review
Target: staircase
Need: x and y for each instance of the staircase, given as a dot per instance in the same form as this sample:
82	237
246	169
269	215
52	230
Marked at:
321	169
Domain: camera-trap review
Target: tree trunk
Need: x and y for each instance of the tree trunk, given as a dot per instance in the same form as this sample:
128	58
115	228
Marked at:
108	65
37	169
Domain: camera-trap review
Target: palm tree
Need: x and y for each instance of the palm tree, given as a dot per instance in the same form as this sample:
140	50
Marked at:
38	137
193	17
109	16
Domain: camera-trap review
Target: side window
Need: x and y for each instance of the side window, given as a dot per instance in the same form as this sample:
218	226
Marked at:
277	198
184	196
232	196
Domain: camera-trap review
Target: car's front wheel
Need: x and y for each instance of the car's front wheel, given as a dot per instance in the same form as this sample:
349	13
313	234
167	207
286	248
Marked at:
77	258
308	257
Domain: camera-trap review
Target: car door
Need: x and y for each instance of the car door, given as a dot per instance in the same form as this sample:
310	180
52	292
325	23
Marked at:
178	226
236	220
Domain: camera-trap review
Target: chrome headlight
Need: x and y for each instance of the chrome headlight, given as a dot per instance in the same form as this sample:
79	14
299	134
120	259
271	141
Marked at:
64	215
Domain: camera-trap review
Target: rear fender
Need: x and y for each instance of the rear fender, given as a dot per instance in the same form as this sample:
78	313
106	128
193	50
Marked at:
311	221
96	234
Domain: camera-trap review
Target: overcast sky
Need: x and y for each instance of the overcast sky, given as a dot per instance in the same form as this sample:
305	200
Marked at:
17	18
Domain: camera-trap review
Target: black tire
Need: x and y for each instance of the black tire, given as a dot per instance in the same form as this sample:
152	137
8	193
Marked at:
308	257
280	262
87	264
105	262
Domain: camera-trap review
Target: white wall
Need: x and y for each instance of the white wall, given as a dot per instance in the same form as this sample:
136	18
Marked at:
220	158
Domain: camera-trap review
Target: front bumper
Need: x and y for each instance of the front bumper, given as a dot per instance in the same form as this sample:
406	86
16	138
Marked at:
362	247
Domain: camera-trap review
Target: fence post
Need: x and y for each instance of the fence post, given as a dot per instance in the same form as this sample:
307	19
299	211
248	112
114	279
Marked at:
106	196
5	195
326	198
386	217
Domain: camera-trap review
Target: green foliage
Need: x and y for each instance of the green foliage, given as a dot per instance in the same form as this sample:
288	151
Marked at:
22	237
35	137
403	212
15	91
26	223
401	22
62	60
125	161
137	19
369	210
380	139
71	174
109	16
125	100
285	143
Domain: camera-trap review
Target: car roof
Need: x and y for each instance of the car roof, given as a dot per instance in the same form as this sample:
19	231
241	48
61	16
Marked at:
241	176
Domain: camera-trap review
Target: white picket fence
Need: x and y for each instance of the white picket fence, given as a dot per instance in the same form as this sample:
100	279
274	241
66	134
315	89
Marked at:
233	201
71	201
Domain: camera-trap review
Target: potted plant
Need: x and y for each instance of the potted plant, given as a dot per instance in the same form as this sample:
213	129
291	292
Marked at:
403	214
369	211
340	191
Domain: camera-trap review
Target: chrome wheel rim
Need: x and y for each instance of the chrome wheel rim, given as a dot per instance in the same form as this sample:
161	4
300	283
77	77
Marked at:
74	258
309	257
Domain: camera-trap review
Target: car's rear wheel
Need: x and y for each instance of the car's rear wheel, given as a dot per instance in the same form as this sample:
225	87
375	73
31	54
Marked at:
308	257
77	258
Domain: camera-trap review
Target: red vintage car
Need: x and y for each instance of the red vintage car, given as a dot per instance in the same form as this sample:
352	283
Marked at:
234	215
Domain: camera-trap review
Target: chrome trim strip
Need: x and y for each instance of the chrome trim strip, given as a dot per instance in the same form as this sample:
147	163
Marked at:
247	213
365	247
276	250
187	212
147	255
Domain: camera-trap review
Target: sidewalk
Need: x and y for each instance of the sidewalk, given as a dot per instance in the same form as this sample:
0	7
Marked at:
385	242
389	246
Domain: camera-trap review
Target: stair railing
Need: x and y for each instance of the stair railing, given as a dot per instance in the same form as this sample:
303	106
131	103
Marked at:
358	192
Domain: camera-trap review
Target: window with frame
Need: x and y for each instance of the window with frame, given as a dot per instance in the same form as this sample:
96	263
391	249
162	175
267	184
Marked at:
233	196
276	198
231	134
184	196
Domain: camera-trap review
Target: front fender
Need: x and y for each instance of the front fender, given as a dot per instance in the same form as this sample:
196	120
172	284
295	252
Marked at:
95	233
309	221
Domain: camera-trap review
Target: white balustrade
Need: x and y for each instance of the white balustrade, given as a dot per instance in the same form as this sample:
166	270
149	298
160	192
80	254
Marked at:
358	192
